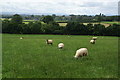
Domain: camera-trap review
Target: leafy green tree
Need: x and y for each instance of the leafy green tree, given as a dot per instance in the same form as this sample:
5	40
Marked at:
68	28
99	30
36	28
75	28
25	29
113	30
51	28
56	28
14	28
47	19
10	27
16	19
53	15
5	26
55	25
90	29
47	28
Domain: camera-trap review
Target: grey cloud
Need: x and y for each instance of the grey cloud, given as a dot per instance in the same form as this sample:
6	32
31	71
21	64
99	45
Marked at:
92	4
61	7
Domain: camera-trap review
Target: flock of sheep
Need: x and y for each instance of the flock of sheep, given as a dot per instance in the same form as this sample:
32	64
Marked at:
79	53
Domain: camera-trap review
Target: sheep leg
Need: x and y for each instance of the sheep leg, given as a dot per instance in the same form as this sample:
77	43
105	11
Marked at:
84	54
80	55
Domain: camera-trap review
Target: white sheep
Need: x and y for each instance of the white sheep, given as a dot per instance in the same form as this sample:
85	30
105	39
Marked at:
49	41
60	45
81	52
21	37
92	41
94	38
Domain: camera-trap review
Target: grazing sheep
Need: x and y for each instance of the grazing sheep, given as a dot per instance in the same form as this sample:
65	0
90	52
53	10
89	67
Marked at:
94	38
49	41
21	37
60	45
92	41
81	52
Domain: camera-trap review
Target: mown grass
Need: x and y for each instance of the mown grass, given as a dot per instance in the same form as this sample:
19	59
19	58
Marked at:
107	22
27	21
32	58
62	24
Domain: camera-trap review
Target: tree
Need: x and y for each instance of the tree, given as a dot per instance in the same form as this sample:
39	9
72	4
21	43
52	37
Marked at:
75	28
5	26
25	29
100	18
47	19
113	30
73	17
90	28
99	29
53	15
16	19
36	28
47	28
51	28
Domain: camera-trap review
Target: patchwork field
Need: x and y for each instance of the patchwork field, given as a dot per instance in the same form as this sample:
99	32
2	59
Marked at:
31	57
106	24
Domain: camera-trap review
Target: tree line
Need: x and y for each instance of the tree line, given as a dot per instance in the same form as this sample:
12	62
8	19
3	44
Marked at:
72	17
16	26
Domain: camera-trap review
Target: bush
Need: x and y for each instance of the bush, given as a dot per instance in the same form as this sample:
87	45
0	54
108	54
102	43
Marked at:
15	26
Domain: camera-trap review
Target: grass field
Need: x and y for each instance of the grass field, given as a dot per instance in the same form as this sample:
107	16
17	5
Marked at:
27	21
106	24
32	58
112	22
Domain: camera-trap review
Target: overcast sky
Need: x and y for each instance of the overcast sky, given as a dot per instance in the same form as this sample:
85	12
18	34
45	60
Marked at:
77	7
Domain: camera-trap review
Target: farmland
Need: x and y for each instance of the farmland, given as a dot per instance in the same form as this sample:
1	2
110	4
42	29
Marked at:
32	58
106	24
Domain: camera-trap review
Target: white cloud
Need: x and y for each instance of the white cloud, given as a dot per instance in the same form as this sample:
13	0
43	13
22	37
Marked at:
89	7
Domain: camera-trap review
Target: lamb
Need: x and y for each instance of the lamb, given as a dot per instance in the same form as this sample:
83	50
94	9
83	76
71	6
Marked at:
49	41
92	41
94	38
60	45
81	52
21	37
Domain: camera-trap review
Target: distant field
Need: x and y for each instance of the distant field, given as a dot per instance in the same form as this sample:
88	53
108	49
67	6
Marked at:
4	18
62	24
106	24
27	21
112	22
32	58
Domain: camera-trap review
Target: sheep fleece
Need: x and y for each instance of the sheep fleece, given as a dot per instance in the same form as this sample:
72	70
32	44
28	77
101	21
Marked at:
81	52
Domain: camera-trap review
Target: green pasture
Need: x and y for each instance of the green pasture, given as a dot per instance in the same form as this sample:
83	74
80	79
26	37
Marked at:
31	57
